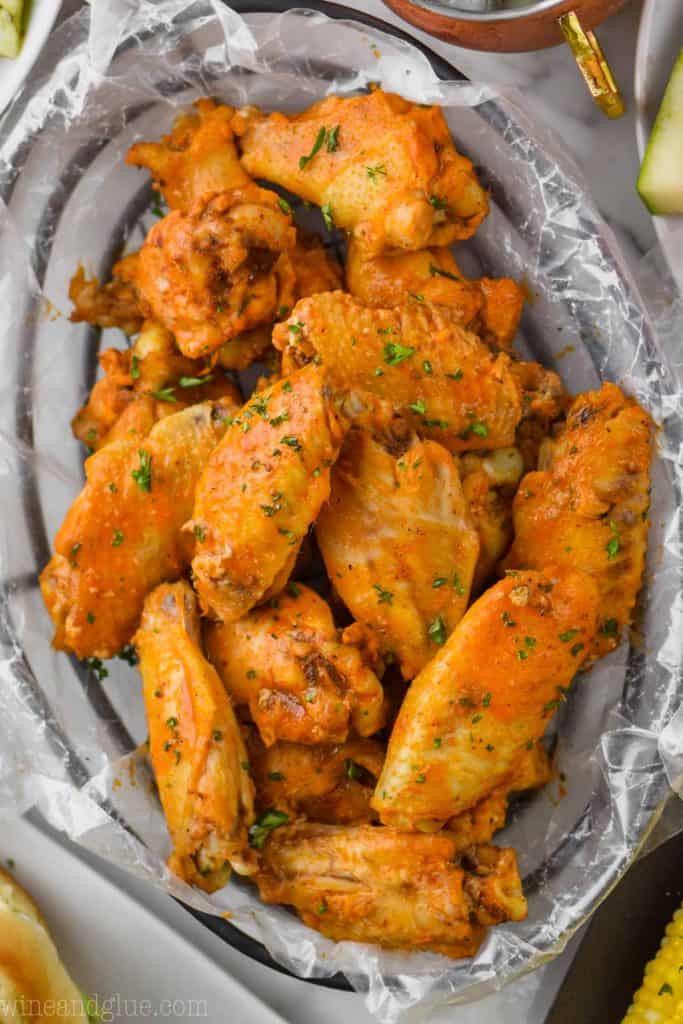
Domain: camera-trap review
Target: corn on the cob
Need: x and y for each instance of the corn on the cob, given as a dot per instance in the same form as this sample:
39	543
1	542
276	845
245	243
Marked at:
659	1000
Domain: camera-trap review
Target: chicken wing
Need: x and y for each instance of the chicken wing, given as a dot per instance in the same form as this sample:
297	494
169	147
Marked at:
219	269
587	506
122	535
115	304
489	483
367	884
285	662
445	380
490	307
198	156
199	759
261	491
142	385
398	542
328	783
486	697
382	168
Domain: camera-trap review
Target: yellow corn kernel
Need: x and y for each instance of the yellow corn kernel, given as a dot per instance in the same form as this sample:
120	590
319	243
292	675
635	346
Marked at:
659	1000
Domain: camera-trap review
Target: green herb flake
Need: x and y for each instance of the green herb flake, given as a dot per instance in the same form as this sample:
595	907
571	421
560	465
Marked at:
143	474
129	654
376	172
383	596
437	631
427	367
486	700
165	395
612	545
217	735
437	742
332	141
568	635
263	826
440	272
276	776
317	145
576	649
457	586
135	367
200	533
353	770
90	617
394	353
97	668
438	203
195	382
610	627
328	216
418	406
117	539
439	582
284	205
666	990
455	375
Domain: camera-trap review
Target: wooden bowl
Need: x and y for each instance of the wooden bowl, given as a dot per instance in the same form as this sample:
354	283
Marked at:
532	28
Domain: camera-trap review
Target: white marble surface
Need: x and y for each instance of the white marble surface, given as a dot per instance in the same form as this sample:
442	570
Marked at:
606	152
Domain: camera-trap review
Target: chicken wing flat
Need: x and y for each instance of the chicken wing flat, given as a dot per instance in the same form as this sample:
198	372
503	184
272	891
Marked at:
367	884
398	543
587	506
122	536
197	156
219	269
262	489
382	168
486	697
285	662
328	783
198	755
489	483
114	304
142	385
445	380
489	307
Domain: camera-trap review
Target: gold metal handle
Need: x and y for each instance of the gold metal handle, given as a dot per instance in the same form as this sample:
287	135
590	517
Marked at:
593	65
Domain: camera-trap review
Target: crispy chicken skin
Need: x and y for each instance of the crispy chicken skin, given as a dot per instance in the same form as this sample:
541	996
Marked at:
286	663
263	487
221	268
398	543
443	378
385	169
489	483
125	401
197	156
122	536
491	308
587	506
367	884
198	755
115	304
330	783
487	696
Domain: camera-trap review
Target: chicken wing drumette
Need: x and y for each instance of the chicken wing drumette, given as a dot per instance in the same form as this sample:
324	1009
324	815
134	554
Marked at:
486	697
286	663
114	304
197	156
398	542
444	379
382	168
490	307
218	269
367	884
123	534
142	385
262	489
587	506
330	783
198	755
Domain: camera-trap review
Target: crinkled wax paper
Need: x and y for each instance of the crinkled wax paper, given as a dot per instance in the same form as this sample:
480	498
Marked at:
120	72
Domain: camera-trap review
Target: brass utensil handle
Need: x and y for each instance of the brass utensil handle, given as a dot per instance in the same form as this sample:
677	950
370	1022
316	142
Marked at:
593	65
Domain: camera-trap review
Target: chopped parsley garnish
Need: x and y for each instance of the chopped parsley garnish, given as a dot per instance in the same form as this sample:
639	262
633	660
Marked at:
437	631
263	826
194	382
280	418
353	770
479	428
172	723
143	474
90	617
420	778
271	510
610	627
457	586
317	145
427	367
456	375
417	296
135	367
440	272
129	654
522	655
507	619
418	406
276	776
200	533
438	203
439	582
383	596
286	385
293	589
665	990
165	395
156	207
117	538
217	735
612	546
97	668
486	700
291	441
328	216
333	139
374	173
296	328
394	353
569	635
75	548
284	205
576	649
437	742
